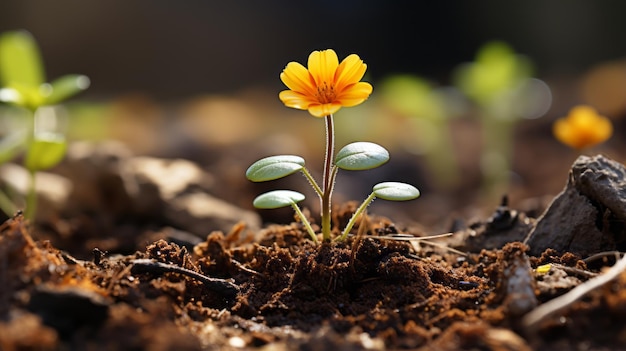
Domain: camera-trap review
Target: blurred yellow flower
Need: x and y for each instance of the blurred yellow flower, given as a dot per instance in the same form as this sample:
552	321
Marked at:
326	85
582	128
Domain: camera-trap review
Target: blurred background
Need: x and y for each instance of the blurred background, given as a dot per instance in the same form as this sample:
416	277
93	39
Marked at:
175	50
199	79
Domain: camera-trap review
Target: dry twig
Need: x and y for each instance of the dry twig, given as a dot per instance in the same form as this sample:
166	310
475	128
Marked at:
219	285
554	306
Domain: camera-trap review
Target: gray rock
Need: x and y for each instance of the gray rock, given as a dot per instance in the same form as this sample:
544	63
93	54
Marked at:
153	182
95	169
578	219
173	191
517	280
202	213
505	225
53	191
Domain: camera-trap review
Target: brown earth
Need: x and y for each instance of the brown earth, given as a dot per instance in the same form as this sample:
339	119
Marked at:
127	263
276	290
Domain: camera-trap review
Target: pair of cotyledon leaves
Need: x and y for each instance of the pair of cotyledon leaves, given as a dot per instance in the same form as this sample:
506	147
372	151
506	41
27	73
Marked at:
353	157
23	83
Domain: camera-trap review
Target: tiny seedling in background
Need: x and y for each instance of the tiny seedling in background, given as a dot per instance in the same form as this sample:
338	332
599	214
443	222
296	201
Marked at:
582	128
430	111
322	89
499	82
23	84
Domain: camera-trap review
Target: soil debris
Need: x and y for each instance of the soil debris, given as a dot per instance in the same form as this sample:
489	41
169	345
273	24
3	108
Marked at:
276	289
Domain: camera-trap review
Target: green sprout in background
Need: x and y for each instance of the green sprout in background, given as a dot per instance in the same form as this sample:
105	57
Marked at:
322	89
499	82
430	111
23	84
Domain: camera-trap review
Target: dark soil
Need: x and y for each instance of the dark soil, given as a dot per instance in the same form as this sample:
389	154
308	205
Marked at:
277	290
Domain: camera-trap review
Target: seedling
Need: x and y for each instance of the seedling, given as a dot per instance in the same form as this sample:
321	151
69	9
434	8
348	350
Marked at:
582	128
22	82
322	89
499	82
429	110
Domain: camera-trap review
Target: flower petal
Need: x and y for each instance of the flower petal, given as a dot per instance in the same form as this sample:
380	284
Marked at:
563	132
350	71
604	130
322	66
297	78
323	110
355	94
326	85
295	99
581	131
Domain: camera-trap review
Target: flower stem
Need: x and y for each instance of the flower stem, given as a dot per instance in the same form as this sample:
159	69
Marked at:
328	178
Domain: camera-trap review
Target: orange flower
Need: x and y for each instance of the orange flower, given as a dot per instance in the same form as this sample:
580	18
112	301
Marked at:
326	85
582	128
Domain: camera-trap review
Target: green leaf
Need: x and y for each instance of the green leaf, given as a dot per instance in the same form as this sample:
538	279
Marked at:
277	199
414	97
394	191
274	167
497	68
46	151
360	156
66	87
20	61
28	97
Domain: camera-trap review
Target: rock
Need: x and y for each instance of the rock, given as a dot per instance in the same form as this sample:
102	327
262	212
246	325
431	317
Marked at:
202	213
505	225
517	280
174	191
172	176
53	191
579	219
69	308
96	172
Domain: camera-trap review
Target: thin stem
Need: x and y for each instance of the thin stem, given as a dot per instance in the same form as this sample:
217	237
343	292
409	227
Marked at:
497	153
31	198
6	205
330	147
312	181
305	221
328	178
356	214
333	175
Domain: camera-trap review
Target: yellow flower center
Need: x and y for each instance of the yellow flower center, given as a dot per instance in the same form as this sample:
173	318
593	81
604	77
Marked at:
325	93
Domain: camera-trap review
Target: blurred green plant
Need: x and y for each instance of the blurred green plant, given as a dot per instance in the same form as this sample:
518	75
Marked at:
499	82
23	85
430	111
